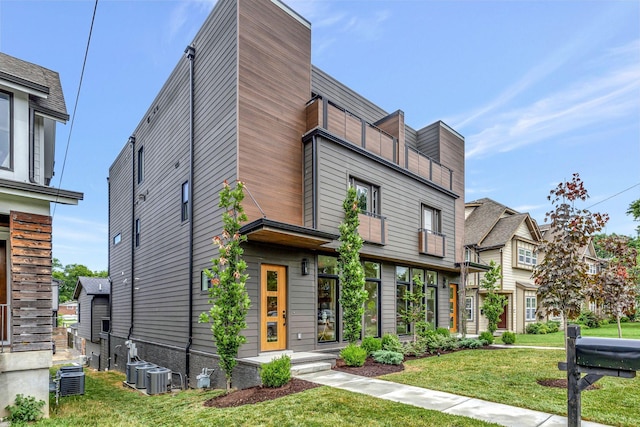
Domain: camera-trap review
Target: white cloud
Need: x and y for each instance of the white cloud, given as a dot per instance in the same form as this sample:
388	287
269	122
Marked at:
182	12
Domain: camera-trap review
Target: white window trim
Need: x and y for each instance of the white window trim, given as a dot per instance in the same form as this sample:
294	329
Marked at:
468	308
530	315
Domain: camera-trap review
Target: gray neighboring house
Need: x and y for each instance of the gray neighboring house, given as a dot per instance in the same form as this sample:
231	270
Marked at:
93	295
245	103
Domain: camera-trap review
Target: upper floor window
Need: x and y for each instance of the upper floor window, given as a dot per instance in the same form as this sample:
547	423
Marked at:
527	257
368	197
138	227
593	269
431	219
185	201
5	131
140	165
117	239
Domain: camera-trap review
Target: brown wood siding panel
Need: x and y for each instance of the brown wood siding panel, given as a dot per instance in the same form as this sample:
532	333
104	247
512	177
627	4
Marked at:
336	121
452	156
308	185
31	281
314	114
273	88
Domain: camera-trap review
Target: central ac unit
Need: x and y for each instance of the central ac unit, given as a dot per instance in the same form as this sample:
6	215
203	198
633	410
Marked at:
131	370
141	374
71	383
158	380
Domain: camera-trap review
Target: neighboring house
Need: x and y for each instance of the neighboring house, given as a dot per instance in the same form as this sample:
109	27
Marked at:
31	102
246	104
68	313
93	295
494	232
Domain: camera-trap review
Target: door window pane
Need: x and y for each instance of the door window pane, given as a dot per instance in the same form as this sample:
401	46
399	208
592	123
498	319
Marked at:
431	305
371	314
327	309
327	265
272	281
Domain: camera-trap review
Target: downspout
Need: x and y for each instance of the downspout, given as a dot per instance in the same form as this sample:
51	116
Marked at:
191	54
132	141
109	273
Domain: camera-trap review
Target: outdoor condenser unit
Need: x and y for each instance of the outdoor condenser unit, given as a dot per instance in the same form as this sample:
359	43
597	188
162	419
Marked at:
158	380
131	370
71	383
141	374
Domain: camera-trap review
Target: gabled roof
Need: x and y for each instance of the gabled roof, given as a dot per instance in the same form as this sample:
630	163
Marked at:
492	224
92	286
42	84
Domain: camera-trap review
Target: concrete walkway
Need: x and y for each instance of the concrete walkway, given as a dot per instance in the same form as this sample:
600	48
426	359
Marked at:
439	401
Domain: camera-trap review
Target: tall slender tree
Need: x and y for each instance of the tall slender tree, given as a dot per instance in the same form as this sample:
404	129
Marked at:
228	295
353	294
492	303
562	274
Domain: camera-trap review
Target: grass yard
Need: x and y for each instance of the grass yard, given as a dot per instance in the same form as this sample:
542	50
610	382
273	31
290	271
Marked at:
629	330
107	403
509	376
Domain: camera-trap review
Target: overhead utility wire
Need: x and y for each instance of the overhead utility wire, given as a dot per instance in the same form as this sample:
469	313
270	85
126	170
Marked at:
75	107
611	197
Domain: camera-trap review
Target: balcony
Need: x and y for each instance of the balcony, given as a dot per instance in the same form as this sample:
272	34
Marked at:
431	243
345	125
372	228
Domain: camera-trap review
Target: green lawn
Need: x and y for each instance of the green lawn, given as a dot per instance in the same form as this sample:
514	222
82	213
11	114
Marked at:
509	376
107	403
629	330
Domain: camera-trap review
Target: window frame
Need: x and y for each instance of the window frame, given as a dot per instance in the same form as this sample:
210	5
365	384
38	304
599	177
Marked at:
9	98
468	308
378	283
428	283
435	220
117	239
184	207
528	315
206	283
140	165
373	196
138	230
329	275
527	257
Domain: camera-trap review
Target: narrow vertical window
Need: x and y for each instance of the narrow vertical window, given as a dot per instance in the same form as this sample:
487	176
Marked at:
137	232
468	308
140	165
5	131
185	201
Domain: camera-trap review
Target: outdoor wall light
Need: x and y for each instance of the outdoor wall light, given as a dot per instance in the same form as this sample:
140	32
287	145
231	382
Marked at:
304	267
444	283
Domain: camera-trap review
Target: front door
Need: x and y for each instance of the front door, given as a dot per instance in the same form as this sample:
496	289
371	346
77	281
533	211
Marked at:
4	310
502	322
273	308
453	307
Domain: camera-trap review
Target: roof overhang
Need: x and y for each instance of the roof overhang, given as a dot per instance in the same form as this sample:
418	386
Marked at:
278	233
526	286
42	192
473	267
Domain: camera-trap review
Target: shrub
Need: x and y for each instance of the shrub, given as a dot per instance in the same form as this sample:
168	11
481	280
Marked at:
487	337
391	342
26	409
470	343
411	348
388	357
589	319
423	328
353	355
508	337
443	331
277	372
540	328
371	344
553	326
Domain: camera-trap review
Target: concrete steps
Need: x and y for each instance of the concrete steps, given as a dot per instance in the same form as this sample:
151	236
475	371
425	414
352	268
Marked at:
309	368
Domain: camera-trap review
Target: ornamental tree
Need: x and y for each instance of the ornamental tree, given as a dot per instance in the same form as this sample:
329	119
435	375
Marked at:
562	275
228	295
353	294
414	311
615	285
492	303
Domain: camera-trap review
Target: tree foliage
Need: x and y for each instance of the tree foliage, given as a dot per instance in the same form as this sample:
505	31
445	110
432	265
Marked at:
634	210
353	294
414	311
562	274
68	277
492	303
615	286
228	295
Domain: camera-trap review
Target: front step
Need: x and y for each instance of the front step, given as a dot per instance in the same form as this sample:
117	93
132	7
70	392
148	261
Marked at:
308	368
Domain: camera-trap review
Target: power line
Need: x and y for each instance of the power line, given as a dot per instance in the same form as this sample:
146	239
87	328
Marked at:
75	107
611	197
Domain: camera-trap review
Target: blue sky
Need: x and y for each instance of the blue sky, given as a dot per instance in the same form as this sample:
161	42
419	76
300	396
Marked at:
539	89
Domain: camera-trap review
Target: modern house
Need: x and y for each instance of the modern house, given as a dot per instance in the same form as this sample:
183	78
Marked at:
245	103
31	104
93	294
494	232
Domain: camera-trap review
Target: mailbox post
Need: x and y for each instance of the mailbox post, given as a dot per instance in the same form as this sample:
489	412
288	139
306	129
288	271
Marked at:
595	357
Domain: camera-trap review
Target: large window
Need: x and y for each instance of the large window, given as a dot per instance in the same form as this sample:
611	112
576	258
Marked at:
327	299
527	257
431	219
140	165
530	309
5	131
372	282
368	197
185	201
404	284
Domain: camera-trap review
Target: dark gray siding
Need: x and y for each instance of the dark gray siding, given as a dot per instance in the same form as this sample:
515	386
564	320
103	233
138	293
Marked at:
100	310
428	141
401	200
84	315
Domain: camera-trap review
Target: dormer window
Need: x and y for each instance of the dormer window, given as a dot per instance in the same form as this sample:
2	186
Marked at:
5	131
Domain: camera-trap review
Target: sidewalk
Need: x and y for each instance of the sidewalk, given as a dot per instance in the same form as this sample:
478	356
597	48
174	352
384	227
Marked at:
67	356
440	401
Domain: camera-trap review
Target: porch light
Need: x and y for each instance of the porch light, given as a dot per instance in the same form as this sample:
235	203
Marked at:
444	283
304	267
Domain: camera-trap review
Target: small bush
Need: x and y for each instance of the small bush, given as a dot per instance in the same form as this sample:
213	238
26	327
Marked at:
277	372
443	331
423	328
371	344
508	337
589	319
388	357
391	342
540	328
353	355
411	348
470	343
553	326
26	409
487	337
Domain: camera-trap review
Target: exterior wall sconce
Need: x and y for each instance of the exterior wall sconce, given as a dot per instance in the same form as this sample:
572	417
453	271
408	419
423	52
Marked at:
304	267
444	283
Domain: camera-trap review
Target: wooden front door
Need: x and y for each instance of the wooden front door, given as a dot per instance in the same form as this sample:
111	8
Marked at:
502	321
453	307
4	309
273	308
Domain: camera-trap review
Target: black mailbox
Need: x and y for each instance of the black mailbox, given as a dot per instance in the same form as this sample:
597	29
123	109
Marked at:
609	353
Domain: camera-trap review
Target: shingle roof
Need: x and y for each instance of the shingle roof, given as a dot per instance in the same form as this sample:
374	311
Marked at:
92	286
481	220
504	230
38	79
